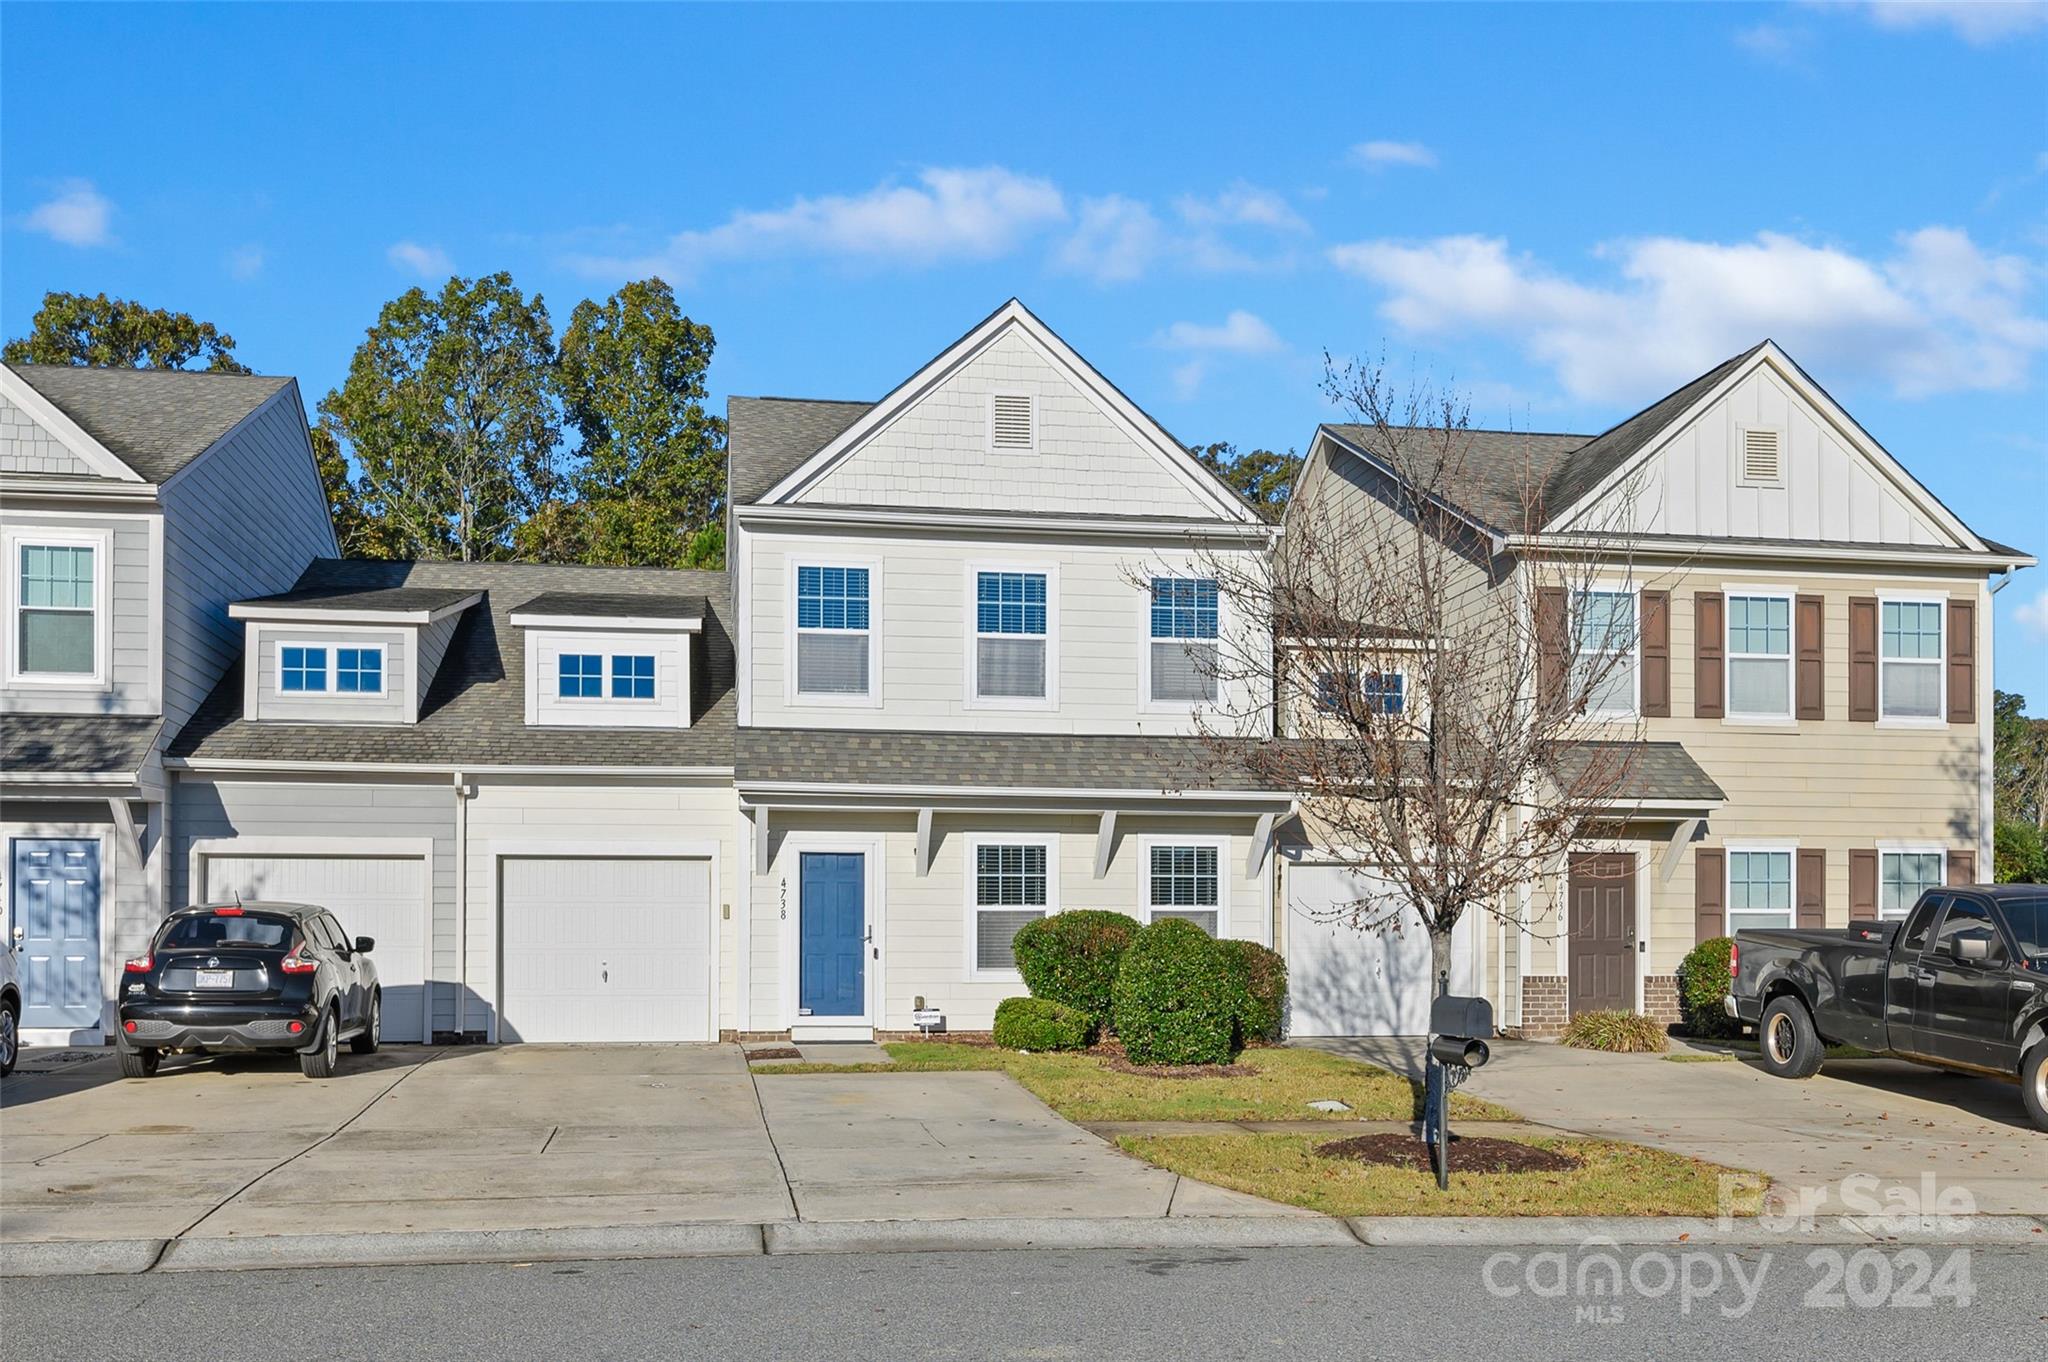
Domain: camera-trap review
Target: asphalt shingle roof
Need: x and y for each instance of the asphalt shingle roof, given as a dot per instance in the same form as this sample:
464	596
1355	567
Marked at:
768	438
1064	761
475	710
154	420
614	605
79	744
1655	772
394	598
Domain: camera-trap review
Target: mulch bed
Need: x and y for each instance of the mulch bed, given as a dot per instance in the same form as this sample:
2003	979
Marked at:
1123	1066
1478	1154
775	1052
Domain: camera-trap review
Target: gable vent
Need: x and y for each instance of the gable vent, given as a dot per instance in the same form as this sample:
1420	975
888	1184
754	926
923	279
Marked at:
1010	417
1761	459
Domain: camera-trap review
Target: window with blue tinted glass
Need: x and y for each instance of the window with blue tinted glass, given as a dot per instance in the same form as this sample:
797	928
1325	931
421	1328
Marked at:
302	669
1009	602
632	676
581	676
831	598
1383	692
359	671
1183	607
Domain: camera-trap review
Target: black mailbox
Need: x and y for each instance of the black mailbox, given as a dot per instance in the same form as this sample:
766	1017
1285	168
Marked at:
1452	1015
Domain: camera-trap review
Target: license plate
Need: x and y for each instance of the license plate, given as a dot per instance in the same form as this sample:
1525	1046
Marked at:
216	978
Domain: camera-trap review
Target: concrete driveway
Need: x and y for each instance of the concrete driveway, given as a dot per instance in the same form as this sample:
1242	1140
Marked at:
542	1137
1876	1117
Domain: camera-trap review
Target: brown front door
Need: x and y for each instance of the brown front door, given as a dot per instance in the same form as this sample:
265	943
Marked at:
1602	889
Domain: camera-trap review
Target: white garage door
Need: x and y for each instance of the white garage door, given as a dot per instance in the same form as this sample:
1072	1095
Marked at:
376	896
1345	981
605	949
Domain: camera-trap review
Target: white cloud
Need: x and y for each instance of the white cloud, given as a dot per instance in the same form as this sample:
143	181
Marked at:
1241	333
2033	616
1241	205
1974	21
428	262
948	214
1117	239
1938	314
1774	43
1379	155
246	262
78	216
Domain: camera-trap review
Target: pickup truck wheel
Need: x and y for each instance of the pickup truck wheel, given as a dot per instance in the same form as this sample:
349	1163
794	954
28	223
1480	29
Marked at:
2034	1083
320	1063
1791	1047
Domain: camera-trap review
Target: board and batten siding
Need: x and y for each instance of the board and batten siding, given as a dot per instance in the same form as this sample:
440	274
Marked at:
242	521
936	454
129	635
926	919
25	447
922	612
326	814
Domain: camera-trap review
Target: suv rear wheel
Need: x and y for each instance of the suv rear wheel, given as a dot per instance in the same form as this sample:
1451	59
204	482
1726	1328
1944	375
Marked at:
1791	1047
140	1063
320	1063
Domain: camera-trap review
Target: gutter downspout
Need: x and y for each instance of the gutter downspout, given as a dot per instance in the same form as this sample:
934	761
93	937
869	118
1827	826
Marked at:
461	906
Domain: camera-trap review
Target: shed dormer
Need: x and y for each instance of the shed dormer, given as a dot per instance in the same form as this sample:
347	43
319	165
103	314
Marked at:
345	657
609	661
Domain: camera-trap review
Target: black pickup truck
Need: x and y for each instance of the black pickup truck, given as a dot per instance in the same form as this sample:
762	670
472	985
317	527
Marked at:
1960	983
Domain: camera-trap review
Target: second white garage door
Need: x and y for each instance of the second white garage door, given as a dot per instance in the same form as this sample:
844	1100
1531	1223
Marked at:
1343	981
375	896
605	949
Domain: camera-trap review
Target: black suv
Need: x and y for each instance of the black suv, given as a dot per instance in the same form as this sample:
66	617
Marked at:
250	976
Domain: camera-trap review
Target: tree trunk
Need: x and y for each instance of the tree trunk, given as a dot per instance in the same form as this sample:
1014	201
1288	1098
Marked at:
1440	959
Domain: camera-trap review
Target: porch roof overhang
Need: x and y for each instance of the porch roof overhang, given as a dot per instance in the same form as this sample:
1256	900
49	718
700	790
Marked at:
80	756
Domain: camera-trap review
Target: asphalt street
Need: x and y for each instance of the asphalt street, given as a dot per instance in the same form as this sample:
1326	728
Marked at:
1299	1304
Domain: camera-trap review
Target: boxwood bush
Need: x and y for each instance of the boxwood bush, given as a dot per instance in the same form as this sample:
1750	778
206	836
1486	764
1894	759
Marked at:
1042	1024
1178	997
1073	957
1623	1033
1702	983
1262	977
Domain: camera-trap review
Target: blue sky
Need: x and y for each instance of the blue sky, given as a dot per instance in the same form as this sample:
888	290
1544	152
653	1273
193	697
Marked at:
1561	211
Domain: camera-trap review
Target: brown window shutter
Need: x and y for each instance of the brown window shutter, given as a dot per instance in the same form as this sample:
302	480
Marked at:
1550	645
1656	634
1863	661
1962	867
1709	654
1862	884
1709	893
1962	662
1813	887
1811	613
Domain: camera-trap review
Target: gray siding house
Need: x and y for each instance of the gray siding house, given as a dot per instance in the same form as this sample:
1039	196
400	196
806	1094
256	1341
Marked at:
137	505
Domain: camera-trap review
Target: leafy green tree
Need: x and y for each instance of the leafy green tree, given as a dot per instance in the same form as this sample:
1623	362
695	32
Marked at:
449	416
2019	854
652	472
114	333
2019	761
1260	476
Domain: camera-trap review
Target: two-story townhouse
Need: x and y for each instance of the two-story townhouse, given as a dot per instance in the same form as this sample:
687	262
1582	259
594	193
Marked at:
975	619
516	778
134	506
1808	682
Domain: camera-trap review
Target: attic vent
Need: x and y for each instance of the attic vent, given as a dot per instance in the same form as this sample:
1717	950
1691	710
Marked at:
1010	421
1760	458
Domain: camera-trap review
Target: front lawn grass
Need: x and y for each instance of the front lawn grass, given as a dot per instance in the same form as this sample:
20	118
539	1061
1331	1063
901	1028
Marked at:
1616	1179
1081	1087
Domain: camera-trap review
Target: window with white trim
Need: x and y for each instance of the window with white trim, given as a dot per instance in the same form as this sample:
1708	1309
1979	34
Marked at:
579	676
1760	657
301	669
1185	882
832	631
1184	627
1759	889
632	676
1010	635
1903	876
1606	624
1357	694
1909	671
56	605
1012	887
359	670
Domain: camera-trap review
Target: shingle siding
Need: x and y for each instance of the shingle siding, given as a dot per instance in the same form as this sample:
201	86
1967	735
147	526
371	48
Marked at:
25	447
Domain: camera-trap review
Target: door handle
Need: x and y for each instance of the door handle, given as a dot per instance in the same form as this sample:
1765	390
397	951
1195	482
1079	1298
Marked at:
1924	975
604	974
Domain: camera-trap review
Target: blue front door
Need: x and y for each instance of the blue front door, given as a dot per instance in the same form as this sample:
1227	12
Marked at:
56	903
833	917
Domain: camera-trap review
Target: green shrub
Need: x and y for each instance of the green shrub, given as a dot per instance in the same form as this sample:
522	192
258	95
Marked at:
1072	958
1623	1033
1042	1024
1178	997
1262	980
1702	983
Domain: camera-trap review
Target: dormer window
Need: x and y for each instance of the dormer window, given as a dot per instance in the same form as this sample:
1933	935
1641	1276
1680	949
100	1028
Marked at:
580	676
301	670
609	661
359	671
327	669
632	676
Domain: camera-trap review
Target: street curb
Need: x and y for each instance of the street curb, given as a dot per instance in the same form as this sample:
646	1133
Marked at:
1676	1231
79	1257
256	1252
1149	1232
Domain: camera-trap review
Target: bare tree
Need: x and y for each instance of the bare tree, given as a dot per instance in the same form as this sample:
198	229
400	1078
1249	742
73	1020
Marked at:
1457	704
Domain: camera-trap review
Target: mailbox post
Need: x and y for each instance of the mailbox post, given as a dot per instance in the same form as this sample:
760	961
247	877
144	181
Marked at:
1458	1031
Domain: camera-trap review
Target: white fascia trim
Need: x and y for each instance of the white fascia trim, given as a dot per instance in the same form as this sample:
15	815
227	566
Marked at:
313	614
69	433
222	765
43	487
1666	808
755	791
1690	549
1062	356
675	624
69	777
840	517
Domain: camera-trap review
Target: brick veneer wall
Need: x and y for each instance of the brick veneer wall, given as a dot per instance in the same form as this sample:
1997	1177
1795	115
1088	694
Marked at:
1543	1004
1660	997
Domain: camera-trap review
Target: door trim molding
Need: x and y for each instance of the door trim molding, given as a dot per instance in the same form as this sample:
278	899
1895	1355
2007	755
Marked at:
1645	945
790	865
495	853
